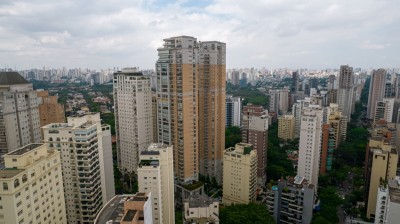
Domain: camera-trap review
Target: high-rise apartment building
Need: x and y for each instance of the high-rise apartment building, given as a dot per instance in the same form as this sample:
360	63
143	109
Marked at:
19	113
211	107
279	100
154	116
155	176
346	93
233	111
86	154
50	111
297	109
388	202
133	117
240	176
310	144
384	110
32	187
376	91
255	132
291	201
295	82
286	127
187	69
381	164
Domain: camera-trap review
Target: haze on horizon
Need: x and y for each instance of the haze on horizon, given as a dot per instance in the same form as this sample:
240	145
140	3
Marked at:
271	33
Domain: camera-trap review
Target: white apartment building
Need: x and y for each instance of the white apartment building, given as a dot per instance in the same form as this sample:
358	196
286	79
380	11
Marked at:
201	209
233	111
156	176
297	109
133	117
388	203
240	174
19	113
384	110
310	144
279	100
85	146
31	186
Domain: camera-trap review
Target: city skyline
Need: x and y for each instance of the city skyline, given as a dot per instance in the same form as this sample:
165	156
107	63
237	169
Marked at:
273	33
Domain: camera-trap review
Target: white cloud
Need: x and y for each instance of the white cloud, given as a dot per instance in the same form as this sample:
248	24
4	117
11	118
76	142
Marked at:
108	33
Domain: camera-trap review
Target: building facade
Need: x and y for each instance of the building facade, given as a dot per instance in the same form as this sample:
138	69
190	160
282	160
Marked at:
310	144
201	209
133	117
388	202
32	186
381	165
291	201
240	176
86	153
346	93
233	111
50	111
376	91
286	127
255	132
19	113
155	176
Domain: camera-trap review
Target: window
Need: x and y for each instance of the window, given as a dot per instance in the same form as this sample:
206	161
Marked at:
16	183
24	178
5	186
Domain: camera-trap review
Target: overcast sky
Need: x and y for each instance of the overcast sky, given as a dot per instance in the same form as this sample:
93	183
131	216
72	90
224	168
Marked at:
271	33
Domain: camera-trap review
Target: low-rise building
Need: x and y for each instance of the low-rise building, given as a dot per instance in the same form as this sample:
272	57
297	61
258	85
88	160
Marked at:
127	209
200	209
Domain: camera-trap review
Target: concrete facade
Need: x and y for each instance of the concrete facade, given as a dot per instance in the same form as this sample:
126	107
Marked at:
286	127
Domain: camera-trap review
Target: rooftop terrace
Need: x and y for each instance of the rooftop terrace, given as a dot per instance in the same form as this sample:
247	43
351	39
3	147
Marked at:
24	149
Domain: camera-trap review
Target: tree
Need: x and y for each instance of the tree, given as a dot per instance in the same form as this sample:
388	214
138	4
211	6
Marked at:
245	214
232	136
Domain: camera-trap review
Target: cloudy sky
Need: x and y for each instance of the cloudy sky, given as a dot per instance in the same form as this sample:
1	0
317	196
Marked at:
271	33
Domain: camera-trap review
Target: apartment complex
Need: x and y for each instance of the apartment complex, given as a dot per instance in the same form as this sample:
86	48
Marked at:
211	107
388	202
233	111
133	117
384	110
310	144
187	69
346	93
155	176
50	111
376	91
127	209
381	164
240	176
279	100
291	201
297	110
286	127
255	132
32	187
201	209
19	113
86	153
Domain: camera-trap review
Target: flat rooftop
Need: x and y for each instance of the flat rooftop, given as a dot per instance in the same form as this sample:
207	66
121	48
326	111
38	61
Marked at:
196	201
9	173
150	152
129	215
24	149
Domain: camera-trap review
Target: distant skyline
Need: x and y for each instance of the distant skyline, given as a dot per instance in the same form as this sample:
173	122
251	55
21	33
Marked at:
272	33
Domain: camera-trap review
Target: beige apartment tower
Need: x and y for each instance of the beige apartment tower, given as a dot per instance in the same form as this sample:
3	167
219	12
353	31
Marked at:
381	165
19	113
87	169
240	176
133	117
187	69
156	177
50	111
31	186
286	127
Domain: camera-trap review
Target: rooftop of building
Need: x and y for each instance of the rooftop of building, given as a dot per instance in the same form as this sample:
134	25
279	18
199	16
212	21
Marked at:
11	78
150	152
7	173
299	182
114	209
394	190
24	149
200	201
